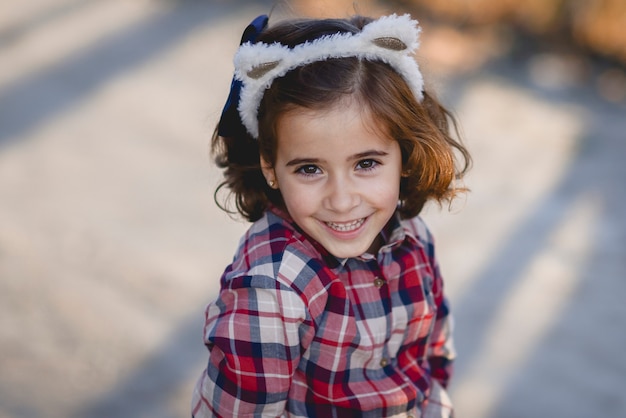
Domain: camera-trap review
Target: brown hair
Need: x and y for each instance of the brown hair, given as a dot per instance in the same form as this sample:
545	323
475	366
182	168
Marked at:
422	129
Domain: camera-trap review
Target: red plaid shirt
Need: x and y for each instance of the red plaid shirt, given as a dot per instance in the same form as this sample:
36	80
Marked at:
296	332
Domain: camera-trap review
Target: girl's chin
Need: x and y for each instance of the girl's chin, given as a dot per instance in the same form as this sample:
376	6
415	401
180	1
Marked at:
355	243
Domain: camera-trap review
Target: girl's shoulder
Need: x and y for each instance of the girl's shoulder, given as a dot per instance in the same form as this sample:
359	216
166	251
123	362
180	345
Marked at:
274	234
273	247
418	229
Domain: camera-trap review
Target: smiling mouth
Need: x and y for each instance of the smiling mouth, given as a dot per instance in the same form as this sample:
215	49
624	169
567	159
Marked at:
347	226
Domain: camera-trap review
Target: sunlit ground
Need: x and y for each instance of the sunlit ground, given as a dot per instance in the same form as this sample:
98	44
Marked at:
111	245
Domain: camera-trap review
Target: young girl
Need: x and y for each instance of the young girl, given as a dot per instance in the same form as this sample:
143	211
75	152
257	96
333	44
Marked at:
334	304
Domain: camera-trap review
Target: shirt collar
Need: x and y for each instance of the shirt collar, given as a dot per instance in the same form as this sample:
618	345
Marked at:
331	261
394	234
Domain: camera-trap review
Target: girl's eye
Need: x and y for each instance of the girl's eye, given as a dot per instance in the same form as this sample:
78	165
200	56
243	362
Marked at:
367	164
308	170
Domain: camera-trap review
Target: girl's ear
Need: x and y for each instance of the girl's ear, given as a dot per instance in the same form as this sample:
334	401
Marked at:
269	174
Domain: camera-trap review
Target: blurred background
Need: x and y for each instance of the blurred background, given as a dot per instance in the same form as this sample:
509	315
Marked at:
111	244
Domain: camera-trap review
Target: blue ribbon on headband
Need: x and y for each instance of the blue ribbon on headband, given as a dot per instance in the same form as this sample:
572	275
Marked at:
230	124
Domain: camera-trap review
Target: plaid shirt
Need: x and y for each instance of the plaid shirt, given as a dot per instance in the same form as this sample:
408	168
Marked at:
297	332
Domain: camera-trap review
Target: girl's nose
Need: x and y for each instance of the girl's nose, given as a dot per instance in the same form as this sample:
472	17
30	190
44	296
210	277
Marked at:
342	195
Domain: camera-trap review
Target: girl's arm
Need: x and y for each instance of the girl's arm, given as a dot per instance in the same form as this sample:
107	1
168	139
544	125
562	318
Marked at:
441	351
253	334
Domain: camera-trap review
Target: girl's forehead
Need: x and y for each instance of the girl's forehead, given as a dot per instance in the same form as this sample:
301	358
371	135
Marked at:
346	111
342	129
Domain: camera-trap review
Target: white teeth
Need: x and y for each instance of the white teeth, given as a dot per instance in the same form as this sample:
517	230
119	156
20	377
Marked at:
345	227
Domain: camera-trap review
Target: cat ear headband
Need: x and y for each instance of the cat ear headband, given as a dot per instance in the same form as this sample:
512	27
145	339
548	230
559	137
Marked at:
390	39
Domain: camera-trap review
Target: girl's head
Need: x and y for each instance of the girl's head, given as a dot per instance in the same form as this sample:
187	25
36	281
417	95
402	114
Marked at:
388	101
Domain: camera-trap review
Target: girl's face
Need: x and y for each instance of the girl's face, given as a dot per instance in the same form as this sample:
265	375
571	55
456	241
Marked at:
339	176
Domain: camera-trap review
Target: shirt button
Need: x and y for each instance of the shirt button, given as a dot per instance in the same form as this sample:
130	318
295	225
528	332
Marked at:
378	282
384	362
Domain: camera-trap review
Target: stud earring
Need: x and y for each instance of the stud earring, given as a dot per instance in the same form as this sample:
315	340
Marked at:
271	183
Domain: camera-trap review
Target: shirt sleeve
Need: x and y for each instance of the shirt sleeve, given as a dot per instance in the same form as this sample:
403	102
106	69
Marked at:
441	352
253	333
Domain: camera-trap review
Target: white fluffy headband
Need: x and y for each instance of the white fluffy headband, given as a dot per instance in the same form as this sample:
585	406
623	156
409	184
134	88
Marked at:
390	39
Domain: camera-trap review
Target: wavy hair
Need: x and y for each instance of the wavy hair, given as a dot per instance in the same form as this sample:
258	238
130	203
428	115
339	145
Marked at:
432	158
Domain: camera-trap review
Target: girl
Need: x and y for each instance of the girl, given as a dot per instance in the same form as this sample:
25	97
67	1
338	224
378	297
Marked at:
334	304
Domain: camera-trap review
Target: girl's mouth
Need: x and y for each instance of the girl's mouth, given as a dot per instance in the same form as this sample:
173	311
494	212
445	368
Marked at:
346	226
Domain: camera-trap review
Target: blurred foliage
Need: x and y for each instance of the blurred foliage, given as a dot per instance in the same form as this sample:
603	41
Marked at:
597	26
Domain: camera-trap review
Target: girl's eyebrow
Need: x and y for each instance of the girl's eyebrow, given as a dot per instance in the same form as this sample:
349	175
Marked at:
298	161
369	153
358	156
